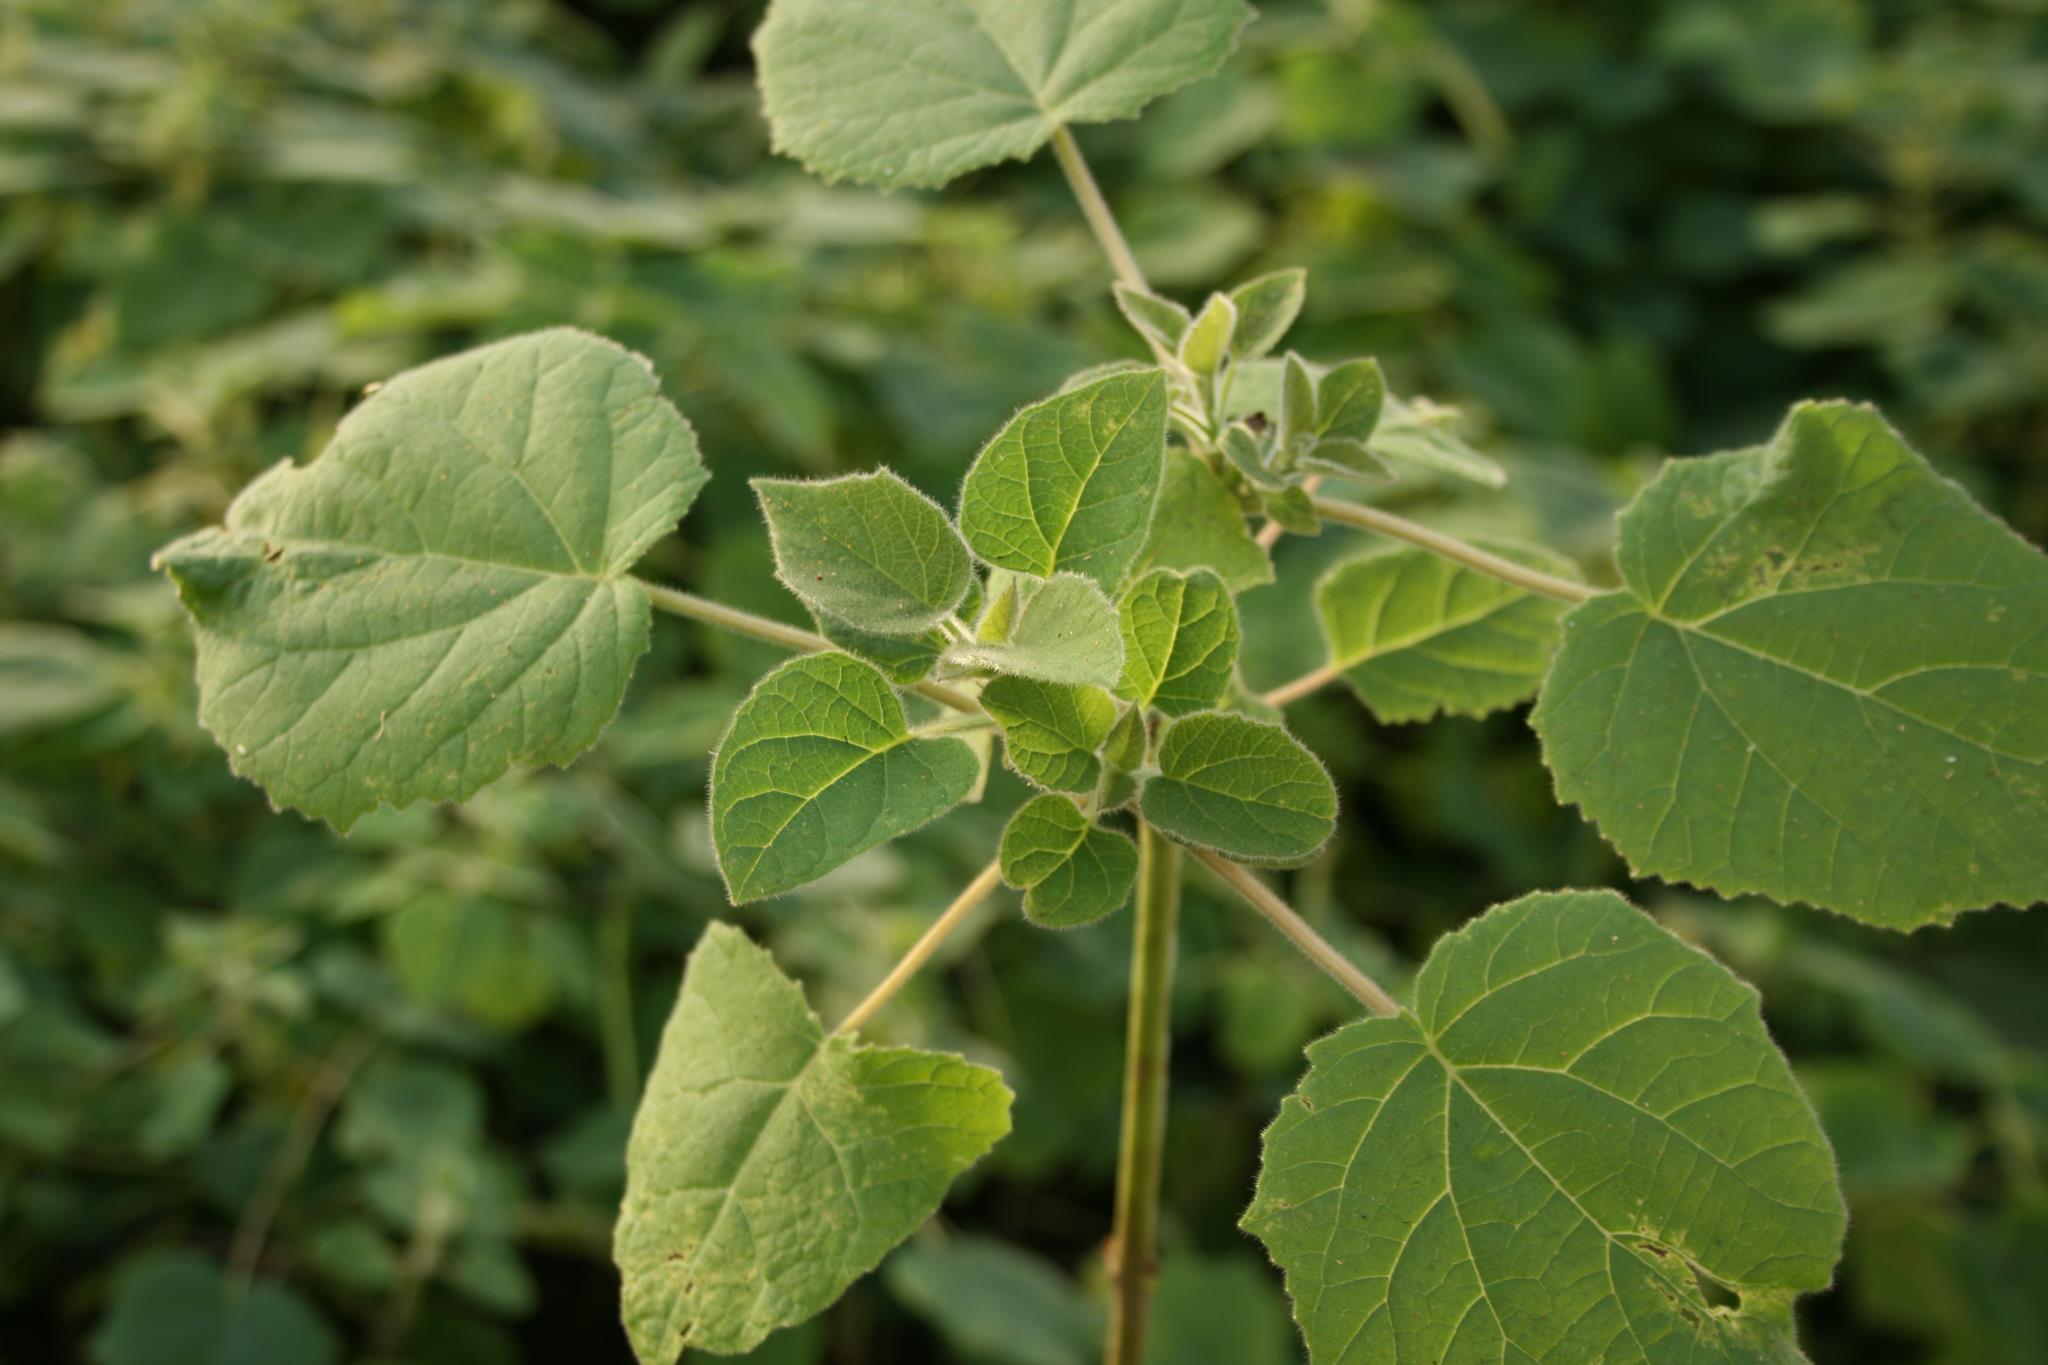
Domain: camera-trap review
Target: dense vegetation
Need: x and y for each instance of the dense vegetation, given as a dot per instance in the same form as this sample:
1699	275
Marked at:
368	1099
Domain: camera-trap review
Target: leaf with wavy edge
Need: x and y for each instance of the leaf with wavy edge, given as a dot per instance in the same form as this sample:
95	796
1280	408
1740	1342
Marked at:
1243	787
1180	636
1071	870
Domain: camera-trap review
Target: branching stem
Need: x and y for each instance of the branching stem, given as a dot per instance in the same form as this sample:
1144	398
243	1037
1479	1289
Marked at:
1450	547
1301	934
927	943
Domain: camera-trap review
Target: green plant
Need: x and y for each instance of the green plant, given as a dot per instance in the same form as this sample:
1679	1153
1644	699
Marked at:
1819	678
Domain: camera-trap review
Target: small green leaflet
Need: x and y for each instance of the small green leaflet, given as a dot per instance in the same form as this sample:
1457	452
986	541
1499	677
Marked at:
915	92
1051	730
1826	680
1578	1111
867	548
1069	483
444	592
1242	787
1065	632
1266	307
770	1166
1415	634
1424	434
1071	871
819	765
1180	641
1199	525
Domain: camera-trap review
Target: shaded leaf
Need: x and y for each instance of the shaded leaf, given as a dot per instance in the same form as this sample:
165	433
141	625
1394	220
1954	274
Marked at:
1071	870
1242	787
1051	731
1065	631
1198	525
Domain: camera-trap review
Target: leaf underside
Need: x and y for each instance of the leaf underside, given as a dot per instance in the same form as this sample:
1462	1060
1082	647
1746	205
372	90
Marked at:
1579	1110
1826	681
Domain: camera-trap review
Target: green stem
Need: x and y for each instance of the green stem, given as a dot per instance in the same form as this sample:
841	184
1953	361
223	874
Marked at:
1096	210
1450	547
928	943
1301	934
1133	1246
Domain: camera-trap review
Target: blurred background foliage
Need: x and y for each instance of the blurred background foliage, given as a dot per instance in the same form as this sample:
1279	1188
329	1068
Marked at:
269	1096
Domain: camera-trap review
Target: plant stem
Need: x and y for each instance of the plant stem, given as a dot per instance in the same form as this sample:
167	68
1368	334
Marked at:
1096	210
1133	1246
687	604
928	943
1450	547
1301	934
1300	687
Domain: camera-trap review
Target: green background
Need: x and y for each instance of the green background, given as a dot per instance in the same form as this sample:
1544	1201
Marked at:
266	1095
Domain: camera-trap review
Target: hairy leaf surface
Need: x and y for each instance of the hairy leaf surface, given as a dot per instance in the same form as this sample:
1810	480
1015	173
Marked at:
770	1165
1527	1166
1200	526
1416	634
444	592
1180	636
1072	871
1052	730
867	548
1243	787
1065	632
1826	681
818	765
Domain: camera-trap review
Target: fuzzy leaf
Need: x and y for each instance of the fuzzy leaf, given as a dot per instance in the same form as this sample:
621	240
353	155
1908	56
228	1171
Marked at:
1065	632
1266	308
819	765
443	594
1071	871
1069	483
770	1165
1180	641
915	92
1425	435
1051	731
1417	635
1242	787
1199	526
1160	321
867	548
1206	344
903	659
1826	680
1578	1110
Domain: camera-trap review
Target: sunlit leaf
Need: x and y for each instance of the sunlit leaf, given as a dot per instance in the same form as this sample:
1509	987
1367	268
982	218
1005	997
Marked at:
867	548
1180	635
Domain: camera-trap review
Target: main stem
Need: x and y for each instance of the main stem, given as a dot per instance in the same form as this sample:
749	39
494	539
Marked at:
1133	1247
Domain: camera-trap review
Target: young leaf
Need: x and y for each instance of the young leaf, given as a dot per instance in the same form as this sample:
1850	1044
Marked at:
770	1166
1293	509
903	659
1242	787
1069	483
1207	343
1826	680
1423	434
1180	636
867	548
1064	632
1200	526
1071	871
1417	635
444	592
1051	730
916	92
1160	321
1266	308
1297	419
1349	400
819	765
1579	1110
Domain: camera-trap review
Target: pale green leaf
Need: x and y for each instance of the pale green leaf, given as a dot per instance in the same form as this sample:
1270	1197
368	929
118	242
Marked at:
770	1165
1072	871
1242	787
1293	509
1579	1110
1206	344
1051	730
1349	399
819	765
1266	308
1200	526
903	659
867	548
1297	419
916	92
444	592
1417	635
1826	680
1065	631
1160	321
1425	435
1180	636
1069	483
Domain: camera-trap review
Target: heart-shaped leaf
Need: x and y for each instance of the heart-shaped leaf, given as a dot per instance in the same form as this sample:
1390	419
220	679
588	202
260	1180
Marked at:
866	548
1051	730
1180	641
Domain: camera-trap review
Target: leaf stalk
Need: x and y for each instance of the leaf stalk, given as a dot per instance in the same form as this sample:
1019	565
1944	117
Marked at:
1450	547
1301	934
927	943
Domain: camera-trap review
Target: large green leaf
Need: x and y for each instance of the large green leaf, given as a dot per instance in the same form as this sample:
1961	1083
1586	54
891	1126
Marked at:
1415	634
443	593
1069	483
1241	786
866	548
1052	730
1826	680
1199	525
818	765
1180	641
917	91
771	1165
1065	632
1071	870
1579	1110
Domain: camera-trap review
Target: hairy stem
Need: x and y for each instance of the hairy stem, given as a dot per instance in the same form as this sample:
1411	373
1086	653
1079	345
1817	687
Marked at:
1133	1247
927	943
687	604
1301	934
1300	687
1450	547
1096	210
